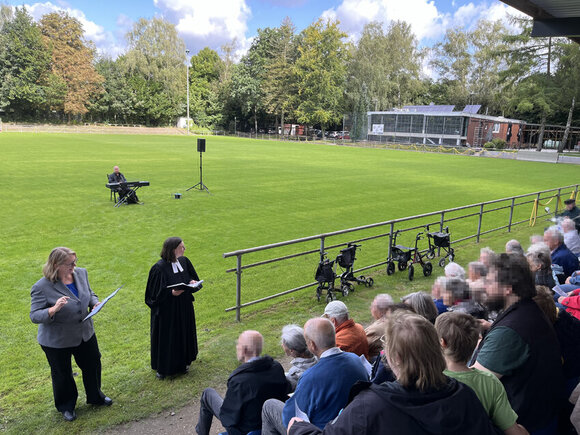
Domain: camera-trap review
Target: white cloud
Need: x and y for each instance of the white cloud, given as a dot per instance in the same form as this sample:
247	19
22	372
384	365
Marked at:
209	23
104	41
423	16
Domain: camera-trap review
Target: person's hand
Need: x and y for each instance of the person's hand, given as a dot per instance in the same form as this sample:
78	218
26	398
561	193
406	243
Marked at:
484	324
176	292
96	305
560	299
60	302
294	420
568	280
193	281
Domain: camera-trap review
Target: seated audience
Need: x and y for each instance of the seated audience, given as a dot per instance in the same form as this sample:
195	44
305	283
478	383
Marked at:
421	400
323	390
457	295
294	345
381	372
540	262
476	272
422	304
571	237
567	330
487	256
458	334
572	212
514	247
249	386
350	336
454	270
521	347
376	330
436	290
561	255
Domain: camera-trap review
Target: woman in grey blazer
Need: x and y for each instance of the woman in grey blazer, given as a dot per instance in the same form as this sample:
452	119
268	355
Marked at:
59	303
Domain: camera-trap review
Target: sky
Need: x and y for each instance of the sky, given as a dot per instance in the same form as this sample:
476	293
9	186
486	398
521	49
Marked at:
213	23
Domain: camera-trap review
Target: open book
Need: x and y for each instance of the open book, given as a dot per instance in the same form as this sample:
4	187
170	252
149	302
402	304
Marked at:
183	286
556	289
102	304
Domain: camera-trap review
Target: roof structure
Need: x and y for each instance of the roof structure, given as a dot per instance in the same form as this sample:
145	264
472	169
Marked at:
551	17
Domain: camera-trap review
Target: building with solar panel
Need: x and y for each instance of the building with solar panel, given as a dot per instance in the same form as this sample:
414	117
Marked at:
441	125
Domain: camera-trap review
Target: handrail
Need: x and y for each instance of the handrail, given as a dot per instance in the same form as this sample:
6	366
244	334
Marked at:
443	219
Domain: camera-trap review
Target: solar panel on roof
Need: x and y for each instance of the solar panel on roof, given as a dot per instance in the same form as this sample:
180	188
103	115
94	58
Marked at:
472	108
429	109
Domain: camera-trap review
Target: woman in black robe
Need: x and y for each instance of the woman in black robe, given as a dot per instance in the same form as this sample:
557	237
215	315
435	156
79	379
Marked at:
173	335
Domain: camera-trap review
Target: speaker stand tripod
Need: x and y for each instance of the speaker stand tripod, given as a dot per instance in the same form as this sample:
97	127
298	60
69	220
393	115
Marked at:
200	185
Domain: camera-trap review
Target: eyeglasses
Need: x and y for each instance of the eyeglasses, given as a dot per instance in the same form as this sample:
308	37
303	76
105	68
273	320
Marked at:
73	264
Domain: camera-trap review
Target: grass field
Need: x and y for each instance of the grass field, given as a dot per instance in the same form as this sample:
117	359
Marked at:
52	194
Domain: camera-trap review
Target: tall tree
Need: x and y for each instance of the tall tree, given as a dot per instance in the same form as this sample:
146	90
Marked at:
385	67
24	65
204	78
279	84
156	53
116	103
72	61
321	74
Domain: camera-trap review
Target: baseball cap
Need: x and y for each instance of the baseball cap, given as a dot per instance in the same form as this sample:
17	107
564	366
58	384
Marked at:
570	201
335	309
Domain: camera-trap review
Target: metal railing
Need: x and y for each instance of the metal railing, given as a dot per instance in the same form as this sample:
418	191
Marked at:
470	211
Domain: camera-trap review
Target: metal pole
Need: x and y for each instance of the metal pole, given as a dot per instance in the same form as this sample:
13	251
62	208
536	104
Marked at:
238	286
557	202
187	60
511	215
479	223
321	247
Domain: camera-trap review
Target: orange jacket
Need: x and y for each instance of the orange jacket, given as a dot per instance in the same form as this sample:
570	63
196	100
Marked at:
351	337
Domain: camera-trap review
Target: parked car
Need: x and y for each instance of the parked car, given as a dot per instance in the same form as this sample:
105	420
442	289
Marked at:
343	135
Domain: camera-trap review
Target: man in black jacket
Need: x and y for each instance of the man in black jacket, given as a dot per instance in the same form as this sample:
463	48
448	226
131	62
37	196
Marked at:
118	177
521	348
249	386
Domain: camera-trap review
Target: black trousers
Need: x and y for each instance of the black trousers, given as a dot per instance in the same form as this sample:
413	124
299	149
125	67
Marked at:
64	388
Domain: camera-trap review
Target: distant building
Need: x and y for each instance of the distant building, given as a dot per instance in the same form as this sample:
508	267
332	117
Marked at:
440	125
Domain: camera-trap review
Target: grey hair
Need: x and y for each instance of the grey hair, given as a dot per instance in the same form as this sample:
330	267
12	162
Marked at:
321	331
514	247
568	225
423	304
382	302
540	254
478	267
554	233
293	338
457	287
454	270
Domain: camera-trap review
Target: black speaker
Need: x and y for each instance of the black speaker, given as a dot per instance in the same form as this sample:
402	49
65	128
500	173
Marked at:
201	145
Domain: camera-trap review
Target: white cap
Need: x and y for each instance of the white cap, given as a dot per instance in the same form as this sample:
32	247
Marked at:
335	309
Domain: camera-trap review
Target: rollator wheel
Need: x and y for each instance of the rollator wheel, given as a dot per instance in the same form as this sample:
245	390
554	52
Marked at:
442	262
402	265
431	254
411	272
362	278
345	290
427	269
390	268
451	255
370	282
329	297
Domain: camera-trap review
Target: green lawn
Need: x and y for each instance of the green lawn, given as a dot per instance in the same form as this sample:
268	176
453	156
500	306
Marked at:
52	194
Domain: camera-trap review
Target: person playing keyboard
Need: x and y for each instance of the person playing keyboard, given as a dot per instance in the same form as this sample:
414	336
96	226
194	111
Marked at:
118	177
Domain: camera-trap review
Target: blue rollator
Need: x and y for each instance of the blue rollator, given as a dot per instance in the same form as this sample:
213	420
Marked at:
346	260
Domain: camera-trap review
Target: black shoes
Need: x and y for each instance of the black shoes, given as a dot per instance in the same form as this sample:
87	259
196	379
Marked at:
160	376
107	401
69	415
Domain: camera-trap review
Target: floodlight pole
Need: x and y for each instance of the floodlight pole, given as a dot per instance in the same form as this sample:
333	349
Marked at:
187	69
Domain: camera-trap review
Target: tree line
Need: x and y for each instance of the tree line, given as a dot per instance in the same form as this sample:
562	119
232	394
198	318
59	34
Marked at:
49	71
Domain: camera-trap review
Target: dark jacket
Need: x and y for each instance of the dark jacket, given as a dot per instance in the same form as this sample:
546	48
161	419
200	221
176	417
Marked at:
249	386
562	256
391	409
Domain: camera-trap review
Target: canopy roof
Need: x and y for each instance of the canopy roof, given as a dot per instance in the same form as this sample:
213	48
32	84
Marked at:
551	17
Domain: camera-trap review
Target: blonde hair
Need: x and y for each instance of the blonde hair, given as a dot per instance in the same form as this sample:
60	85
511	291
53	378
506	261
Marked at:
411	344
56	258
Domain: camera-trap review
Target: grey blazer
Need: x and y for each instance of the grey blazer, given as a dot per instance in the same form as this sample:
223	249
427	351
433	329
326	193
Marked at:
66	328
